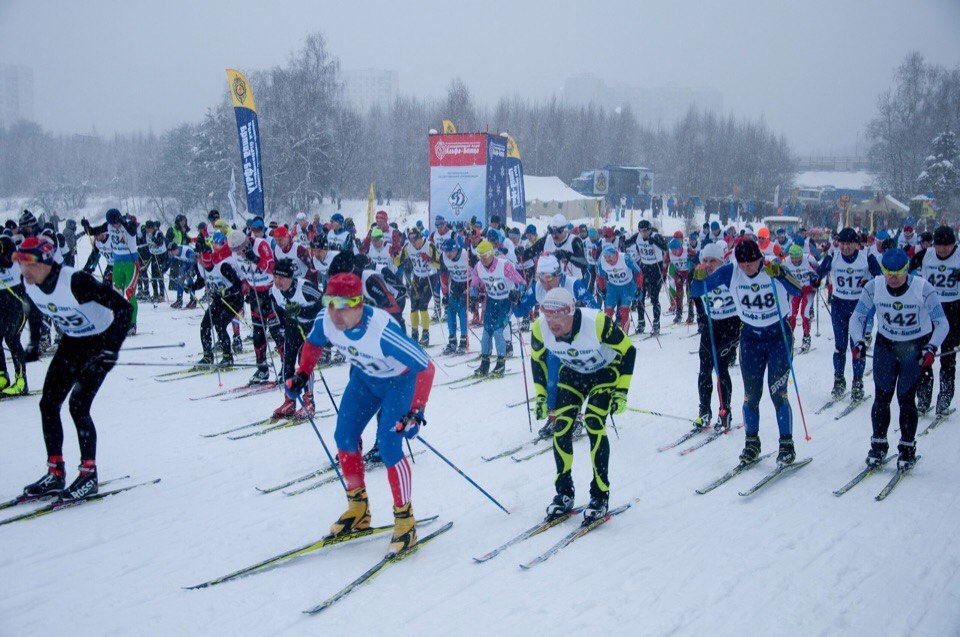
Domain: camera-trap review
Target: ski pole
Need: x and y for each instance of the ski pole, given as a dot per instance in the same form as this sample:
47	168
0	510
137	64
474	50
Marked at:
526	390
134	349
695	421
465	476
326	449
613	423
816	309
713	349
789	354
206	311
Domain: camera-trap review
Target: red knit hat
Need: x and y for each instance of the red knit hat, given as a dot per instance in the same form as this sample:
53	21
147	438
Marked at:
281	232
345	284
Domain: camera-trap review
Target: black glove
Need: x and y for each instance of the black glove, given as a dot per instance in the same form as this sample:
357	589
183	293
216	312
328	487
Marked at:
293	309
250	255
296	384
515	296
859	350
85	224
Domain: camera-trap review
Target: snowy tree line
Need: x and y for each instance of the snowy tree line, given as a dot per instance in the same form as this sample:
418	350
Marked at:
314	147
912	132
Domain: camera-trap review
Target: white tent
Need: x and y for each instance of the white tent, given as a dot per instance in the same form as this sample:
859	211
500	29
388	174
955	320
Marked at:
548	196
886	203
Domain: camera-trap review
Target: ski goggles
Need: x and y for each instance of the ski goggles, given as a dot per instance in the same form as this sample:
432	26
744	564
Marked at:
902	270
341	302
547	276
554	312
556	231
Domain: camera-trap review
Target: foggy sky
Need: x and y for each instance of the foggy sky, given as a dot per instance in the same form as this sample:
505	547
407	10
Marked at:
813	68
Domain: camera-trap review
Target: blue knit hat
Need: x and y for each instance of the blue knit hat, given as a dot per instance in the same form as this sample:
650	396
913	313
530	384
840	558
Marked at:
895	261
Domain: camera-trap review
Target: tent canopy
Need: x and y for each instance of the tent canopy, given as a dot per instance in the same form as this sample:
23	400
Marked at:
884	203
546	189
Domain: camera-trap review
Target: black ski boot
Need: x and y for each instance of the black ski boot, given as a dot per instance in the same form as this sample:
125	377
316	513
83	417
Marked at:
425	337
559	506
525	325
704	420
549	428
856	389
31	353
237	344
373	456
509	351
805	344
415	334
86	483
206	359
908	455
484	368
751	450
839	387
500	368
786	454
723	422
462	346
596	509
878	451
50	484
578	425
226	360
451	347
262	375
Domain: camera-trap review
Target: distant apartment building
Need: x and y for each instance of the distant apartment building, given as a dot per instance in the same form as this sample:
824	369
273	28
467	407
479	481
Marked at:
16	93
363	88
659	105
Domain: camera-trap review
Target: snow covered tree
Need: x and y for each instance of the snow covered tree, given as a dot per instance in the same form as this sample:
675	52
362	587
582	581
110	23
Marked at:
941	172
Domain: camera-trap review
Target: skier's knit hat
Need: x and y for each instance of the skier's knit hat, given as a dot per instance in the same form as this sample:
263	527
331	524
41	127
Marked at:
747	251
484	247
345	284
281	232
337	217
27	219
284	268
847	235
944	236
714	225
609	248
796	250
895	261
548	264
376	233
558	300
114	216
235	239
35	249
714	250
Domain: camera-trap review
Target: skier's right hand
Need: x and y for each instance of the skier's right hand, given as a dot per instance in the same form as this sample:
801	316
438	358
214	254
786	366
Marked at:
296	384
859	351
699	273
540	410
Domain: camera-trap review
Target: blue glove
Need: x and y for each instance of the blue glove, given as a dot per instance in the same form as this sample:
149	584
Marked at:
409	425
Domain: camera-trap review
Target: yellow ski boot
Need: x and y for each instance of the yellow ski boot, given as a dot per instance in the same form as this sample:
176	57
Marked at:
357	515
404	528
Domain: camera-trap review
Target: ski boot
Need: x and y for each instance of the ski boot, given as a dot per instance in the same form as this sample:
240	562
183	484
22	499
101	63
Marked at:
525	325
723	422
509	351
641	328
499	368
51	483
308	407
357	515
786	454
226	360
596	509
237	343
908	455
856	389
191	305
656	329
484	368
133	330
31	353
262	375
373	456
4	381
839	387
285	410
462	346
415	334
451	347
878	451
86	483
404	529
425	337
704	420
677	319
805	344
549	428
751	450
17	388
206	359
176	305
689	318
560	506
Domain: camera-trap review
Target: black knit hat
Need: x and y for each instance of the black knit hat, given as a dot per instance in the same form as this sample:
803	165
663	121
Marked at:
944	236
284	268
747	251
27	219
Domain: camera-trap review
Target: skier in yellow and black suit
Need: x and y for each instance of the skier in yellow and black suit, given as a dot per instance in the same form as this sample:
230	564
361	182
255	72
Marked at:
424	262
596	366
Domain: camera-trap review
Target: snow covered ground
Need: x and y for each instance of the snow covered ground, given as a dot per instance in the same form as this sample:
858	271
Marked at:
792	560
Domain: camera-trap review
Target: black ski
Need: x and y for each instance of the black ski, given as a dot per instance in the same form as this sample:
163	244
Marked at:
390	558
894	481
937	421
529	533
714	435
579	532
781	470
685	437
857	479
59	505
481	379
830	403
23	499
729	475
852	406
325	541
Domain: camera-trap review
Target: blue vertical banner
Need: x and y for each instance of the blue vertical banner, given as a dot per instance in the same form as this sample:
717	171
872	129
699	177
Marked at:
518	204
248	130
496	177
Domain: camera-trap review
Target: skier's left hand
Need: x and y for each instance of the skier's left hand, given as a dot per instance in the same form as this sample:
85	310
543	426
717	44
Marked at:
927	355
859	351
409	425
618	402
772	269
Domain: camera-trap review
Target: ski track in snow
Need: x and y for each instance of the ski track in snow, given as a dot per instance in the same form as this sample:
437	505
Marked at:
792	559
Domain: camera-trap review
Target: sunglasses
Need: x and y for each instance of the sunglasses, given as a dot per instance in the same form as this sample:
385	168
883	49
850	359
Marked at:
556	230
341	302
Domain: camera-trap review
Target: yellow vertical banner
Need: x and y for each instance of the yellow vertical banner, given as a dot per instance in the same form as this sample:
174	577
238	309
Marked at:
631	221
448	127
370	199
596	221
